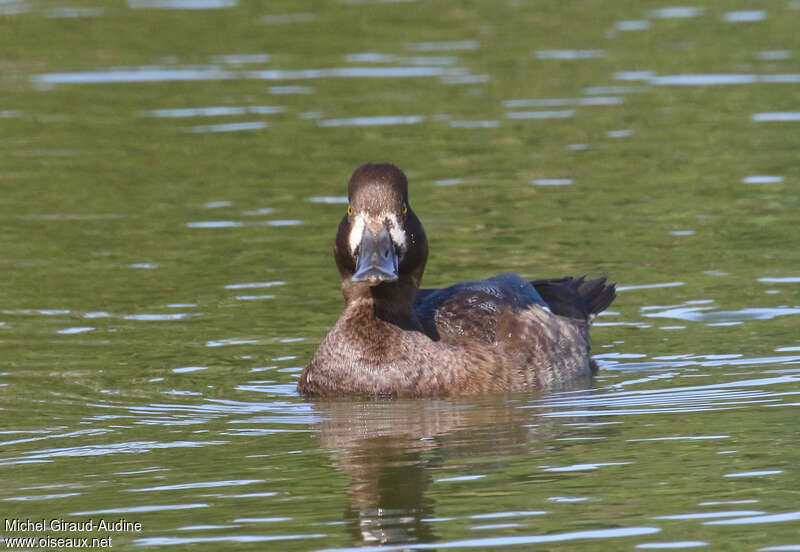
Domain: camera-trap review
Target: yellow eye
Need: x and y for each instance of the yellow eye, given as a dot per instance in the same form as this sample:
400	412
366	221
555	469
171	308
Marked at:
349	210
405	209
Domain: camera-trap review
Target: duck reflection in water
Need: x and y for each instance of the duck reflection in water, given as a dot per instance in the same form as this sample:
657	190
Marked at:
393	339
392	452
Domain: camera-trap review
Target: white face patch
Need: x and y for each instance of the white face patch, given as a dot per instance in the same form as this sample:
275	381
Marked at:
395	231
357	232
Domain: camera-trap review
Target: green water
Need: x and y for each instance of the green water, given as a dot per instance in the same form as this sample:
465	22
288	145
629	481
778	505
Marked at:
165	277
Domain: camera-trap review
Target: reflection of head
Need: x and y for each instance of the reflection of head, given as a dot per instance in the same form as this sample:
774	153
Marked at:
387	494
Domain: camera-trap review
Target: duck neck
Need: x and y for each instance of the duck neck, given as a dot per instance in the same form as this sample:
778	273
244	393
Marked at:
390	301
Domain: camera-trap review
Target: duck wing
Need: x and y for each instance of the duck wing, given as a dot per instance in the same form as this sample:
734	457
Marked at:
472	309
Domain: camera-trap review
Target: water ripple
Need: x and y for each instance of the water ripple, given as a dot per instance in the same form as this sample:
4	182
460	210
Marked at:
230	127
196	485
677	13
705	314
562	102
650	286
675	545
383	120
453	45
130	447
141	509
182	4
551	181
460	478
213	73
240	59
171	541
570	54
769	518
557	114
254	285
757	473
676	399
781	280
147	317
39	497
495	515
742	16
720	79
582	467
712	515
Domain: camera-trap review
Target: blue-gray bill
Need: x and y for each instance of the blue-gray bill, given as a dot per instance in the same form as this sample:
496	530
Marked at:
377	258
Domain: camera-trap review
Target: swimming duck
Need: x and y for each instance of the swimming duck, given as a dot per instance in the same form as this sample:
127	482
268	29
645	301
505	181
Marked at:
393	339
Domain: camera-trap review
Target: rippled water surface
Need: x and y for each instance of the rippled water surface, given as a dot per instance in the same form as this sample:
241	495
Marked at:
172	174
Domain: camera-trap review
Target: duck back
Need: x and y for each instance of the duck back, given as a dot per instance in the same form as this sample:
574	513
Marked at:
473	309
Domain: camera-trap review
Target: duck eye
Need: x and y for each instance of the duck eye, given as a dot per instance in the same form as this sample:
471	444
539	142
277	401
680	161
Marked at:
349	210
405	209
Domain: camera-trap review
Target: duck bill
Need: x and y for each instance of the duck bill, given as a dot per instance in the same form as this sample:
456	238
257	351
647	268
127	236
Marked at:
377	259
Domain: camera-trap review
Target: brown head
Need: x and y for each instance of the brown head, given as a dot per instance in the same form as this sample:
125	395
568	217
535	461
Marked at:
380	246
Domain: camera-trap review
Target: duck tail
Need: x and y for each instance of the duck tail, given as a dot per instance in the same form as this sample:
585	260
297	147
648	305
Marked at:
576	297
597	294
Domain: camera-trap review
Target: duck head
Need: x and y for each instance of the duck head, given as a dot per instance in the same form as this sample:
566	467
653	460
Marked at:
380	243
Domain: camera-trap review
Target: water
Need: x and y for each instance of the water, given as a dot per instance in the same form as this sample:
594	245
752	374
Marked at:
172	175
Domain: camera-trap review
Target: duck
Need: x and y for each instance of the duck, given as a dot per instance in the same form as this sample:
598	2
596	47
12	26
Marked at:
504	334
